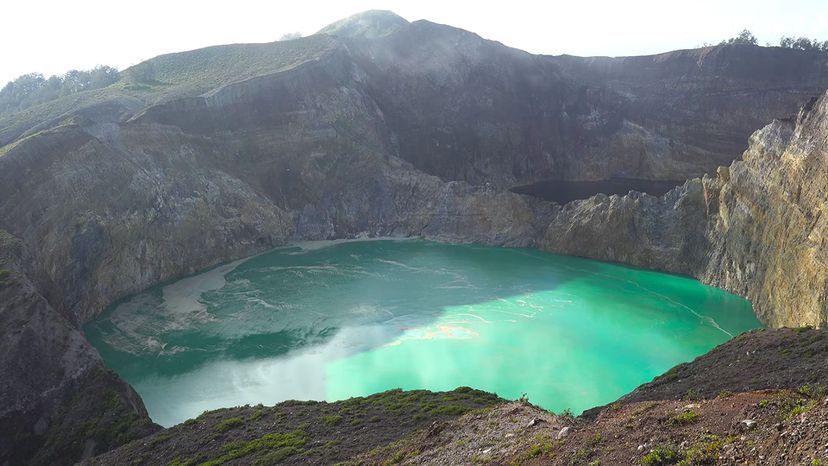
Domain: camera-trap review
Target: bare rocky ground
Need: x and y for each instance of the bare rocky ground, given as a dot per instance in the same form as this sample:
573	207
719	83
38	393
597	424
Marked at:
297	432
768	427
759	399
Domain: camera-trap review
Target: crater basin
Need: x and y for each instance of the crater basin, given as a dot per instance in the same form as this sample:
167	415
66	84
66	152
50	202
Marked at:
332	320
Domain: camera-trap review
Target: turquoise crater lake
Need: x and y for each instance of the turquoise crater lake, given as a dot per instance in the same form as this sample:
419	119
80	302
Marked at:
328	321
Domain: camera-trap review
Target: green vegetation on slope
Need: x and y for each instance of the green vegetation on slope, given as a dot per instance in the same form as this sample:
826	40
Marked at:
33	88
170	76
788	42
299	432
198	71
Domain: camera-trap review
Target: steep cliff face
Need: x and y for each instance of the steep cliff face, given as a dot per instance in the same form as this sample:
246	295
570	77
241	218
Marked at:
663	233
768	234
109	219
59	400
712	97
756	228
114	208
464	108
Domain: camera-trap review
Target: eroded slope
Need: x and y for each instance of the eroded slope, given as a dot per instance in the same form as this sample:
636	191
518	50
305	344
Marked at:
755	229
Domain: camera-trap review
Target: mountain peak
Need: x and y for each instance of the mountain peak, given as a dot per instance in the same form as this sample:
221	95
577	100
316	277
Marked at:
366	25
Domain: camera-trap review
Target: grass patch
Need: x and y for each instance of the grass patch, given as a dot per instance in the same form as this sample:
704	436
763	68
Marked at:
400	456
567	415
541	446
258	414
331	420
594	440
454	403
450	410
175	75
230	423
581	455
800	407
180	462
662	455
393	453
704	452
671	374
280	446
644	408
724	394
277	456
5	277
812	391
682	419
691	395
794	404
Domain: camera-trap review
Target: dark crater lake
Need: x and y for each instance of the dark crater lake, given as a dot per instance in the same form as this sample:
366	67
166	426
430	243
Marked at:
568	191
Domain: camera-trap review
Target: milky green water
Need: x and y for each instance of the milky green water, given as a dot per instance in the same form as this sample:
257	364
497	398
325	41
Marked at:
356	318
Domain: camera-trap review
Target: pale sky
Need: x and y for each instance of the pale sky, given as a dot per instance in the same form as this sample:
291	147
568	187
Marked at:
53	36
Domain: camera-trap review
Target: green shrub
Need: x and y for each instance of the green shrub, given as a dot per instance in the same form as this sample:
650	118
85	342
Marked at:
801	407
5	276
744	38
331	420
258	414
541	445
280	445
180	462
662	455
228	424
812	391
687	417
276	456
691	395
451	410
706	451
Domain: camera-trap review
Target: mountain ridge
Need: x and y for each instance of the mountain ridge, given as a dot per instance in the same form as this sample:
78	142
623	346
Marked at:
700	153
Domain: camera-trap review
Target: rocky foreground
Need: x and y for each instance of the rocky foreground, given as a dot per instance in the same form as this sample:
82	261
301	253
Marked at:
758	399
377	126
